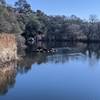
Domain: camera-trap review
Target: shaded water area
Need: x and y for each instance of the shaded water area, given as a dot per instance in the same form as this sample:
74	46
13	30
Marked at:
70	72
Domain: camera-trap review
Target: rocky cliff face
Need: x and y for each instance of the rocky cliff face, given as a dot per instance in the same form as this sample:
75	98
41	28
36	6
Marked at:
8	48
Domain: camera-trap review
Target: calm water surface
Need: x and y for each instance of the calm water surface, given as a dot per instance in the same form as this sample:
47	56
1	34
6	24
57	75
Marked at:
70	73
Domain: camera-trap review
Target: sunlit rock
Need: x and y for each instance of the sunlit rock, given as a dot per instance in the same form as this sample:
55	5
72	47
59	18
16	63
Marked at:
8	48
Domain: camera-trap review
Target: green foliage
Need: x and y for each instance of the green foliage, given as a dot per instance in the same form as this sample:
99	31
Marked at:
23	13
8	22
22	18
22	6
32	28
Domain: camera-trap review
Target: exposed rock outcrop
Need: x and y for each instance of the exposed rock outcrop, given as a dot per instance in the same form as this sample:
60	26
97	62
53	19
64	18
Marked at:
8	48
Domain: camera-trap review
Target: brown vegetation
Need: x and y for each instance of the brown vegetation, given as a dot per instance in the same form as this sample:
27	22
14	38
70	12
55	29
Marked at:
7	76
8	48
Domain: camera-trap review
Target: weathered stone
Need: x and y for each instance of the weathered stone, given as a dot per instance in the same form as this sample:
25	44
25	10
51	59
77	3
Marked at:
8	48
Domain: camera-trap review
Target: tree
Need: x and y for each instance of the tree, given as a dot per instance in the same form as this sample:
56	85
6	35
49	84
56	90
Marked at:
31	29
23	12
8	21
2	2
22	6
93	18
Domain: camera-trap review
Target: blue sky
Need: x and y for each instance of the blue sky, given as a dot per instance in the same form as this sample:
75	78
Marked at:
81	8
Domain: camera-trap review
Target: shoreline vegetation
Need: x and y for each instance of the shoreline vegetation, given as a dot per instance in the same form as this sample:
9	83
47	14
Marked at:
21	26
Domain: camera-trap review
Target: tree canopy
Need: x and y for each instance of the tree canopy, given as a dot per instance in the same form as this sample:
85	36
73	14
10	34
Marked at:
23	19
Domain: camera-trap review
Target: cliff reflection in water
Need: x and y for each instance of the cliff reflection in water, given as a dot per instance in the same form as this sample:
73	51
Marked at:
8	73
63	52
7	77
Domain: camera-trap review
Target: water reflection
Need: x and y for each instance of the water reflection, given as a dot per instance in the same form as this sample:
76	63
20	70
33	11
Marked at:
64	52
7	77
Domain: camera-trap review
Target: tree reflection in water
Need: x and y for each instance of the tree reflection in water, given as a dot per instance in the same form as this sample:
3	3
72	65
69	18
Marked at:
63	53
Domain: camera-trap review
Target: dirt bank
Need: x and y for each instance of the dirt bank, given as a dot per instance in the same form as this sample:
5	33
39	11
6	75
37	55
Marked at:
8	48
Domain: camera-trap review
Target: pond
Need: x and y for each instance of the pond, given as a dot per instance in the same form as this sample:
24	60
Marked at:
72	72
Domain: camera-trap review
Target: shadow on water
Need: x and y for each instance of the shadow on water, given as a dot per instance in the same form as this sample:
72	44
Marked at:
63	50
62	53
